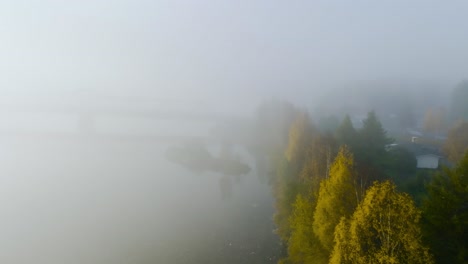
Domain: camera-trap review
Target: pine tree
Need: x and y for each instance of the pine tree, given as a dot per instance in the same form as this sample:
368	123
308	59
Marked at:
446	214
346	134
370	154
373	136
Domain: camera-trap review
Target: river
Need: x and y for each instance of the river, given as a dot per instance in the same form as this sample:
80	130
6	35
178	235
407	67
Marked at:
82	201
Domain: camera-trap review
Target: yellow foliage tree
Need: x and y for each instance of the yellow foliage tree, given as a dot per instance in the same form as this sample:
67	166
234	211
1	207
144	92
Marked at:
383	229
300	135
338	197
456	144
434	120
303	245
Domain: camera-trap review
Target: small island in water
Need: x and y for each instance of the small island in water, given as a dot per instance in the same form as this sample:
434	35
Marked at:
197	158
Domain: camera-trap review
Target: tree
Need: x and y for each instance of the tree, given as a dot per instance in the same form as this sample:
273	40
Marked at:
457	142
346	134
287	183
319	158
459	102
400	165
434	121
300	135
285	190
303	245
383	229
370	153
373	136
445	214
338	196
401	162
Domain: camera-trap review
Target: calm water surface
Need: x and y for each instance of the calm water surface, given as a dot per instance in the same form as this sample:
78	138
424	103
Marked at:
98	201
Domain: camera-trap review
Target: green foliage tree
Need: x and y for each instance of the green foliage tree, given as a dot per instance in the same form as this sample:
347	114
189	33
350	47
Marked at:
346	134
445	214
401	161
459	102
383	229
373	136
457	142
400	165
338	196
370	153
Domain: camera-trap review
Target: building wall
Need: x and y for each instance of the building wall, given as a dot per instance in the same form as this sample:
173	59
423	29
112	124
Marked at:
427	162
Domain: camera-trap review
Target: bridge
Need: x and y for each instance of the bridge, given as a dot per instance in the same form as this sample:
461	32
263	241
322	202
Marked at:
85	112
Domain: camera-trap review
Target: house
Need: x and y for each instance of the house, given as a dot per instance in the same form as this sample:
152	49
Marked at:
427	161
427	157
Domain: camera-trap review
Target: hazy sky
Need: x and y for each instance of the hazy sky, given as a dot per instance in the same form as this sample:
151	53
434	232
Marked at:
197	51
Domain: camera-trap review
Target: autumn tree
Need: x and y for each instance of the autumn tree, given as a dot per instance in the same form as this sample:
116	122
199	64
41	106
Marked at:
285	191
383	229
457	142
303	245
446	214
337	197
287	182
300	135
319	158
434	121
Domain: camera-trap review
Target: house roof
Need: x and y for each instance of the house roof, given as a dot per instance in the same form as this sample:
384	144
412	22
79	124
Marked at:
432	155
420	149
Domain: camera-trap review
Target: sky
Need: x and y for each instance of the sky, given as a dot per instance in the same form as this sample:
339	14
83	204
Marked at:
225	54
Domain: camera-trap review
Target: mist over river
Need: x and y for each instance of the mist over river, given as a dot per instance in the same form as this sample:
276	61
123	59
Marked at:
91	200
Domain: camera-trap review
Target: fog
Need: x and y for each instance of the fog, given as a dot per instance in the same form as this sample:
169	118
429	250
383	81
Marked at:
202	54
94	93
